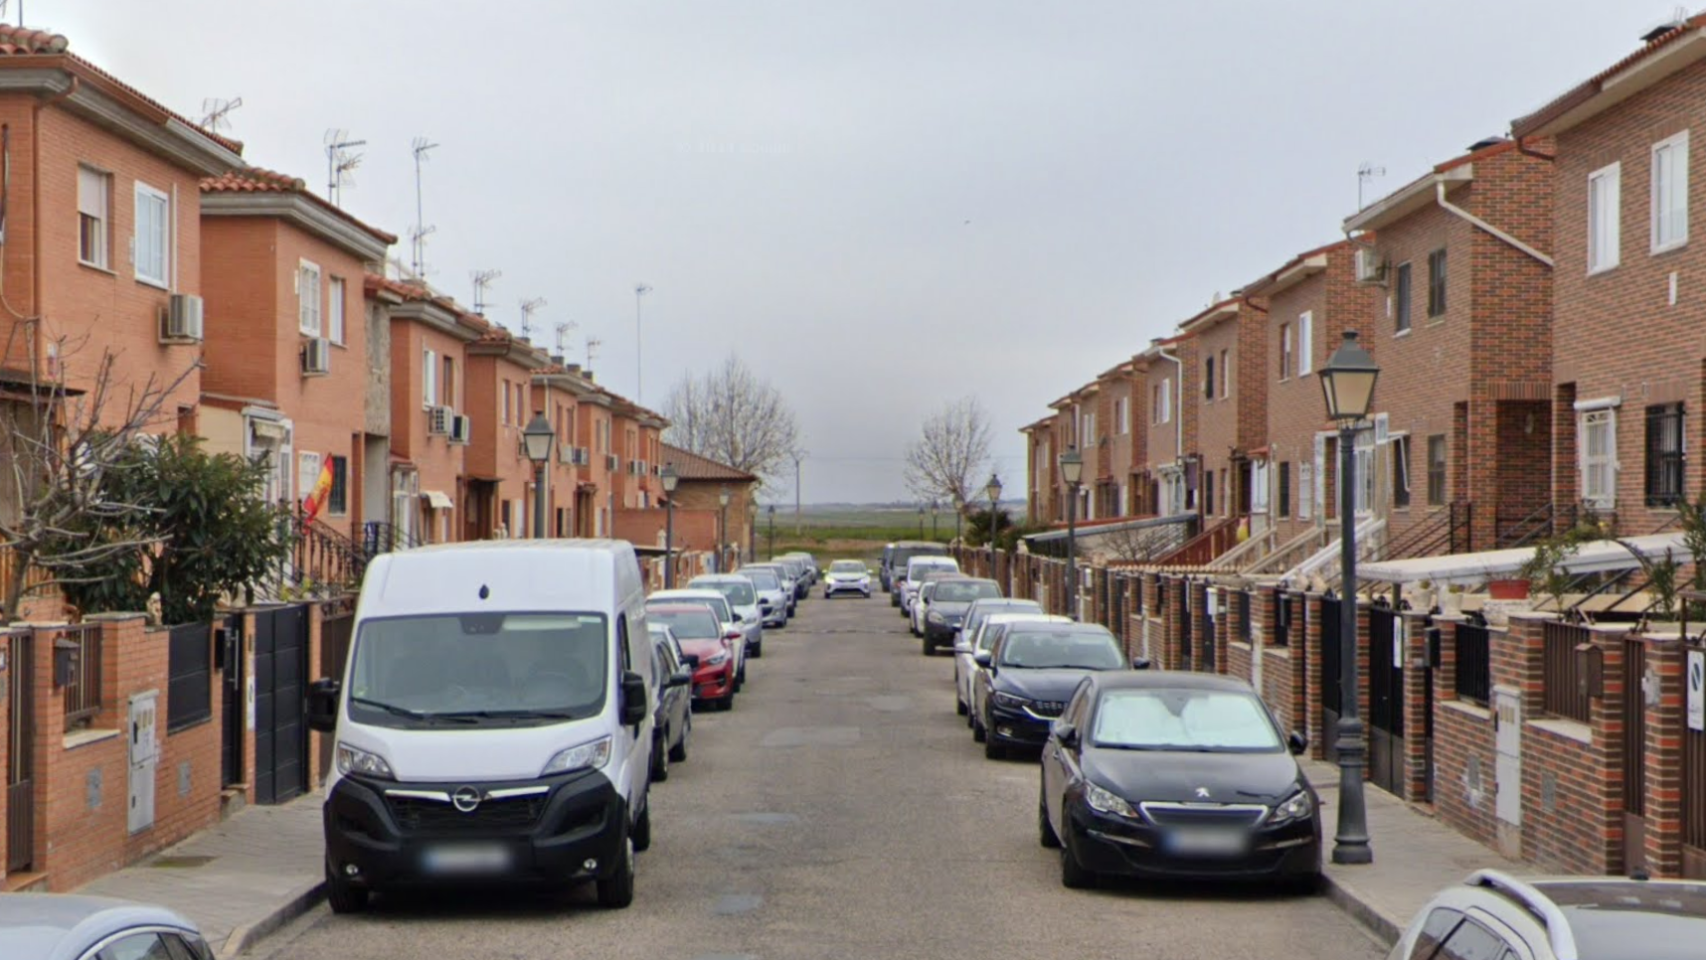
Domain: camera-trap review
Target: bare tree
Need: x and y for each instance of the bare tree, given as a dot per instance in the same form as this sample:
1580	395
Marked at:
730	415
1132	544
58	444
947	460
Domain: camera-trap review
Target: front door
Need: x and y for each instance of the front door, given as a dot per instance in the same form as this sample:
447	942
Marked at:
20	756
144	757
236	702
281	735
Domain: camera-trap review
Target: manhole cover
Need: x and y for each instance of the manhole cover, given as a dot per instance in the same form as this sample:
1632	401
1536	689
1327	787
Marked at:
180	862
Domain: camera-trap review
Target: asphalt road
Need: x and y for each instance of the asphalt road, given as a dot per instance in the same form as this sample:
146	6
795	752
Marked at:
841	810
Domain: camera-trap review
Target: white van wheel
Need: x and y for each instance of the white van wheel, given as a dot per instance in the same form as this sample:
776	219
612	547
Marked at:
617	891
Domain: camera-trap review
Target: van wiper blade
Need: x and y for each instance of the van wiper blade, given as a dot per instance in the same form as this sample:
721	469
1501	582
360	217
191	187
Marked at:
511	715
395	710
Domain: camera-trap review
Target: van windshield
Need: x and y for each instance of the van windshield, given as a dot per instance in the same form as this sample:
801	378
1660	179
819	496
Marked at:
506	667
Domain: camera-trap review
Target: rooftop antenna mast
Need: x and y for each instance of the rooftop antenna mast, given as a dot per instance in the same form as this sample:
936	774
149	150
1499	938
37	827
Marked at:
528	308
216	111
592	345
563	337
420	146
1366	173
339	162
640	290
482	280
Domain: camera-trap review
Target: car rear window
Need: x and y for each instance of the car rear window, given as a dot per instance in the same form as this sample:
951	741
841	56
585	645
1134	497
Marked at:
688	624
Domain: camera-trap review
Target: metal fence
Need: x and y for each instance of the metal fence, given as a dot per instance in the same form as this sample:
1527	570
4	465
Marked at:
1564	694
1472	671
83	690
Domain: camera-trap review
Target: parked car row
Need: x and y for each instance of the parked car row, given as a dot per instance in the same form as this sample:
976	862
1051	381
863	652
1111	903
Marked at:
1142	773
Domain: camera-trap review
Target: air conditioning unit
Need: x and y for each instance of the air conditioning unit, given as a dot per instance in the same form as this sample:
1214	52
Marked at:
1369	266
461	429
316	357
565	453
181	322
583	457
440	420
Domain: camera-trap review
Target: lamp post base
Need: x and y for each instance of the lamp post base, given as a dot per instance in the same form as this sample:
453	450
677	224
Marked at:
1350	841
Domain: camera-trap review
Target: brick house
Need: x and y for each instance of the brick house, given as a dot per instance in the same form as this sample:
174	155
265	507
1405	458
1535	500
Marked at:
497	477
1165	376
557	390
698	509
287	351
1229	343
1461	278
595	497
1042	501
1113	495
1627	355
1312	299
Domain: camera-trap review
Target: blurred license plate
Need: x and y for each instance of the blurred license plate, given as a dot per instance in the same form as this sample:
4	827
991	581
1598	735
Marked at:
467	858
1207	842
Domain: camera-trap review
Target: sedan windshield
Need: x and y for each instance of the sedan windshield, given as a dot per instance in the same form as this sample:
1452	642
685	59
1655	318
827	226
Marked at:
1211	721
918	570
965	592
512	665
762	579
1060	650
848	566
688	624
736	592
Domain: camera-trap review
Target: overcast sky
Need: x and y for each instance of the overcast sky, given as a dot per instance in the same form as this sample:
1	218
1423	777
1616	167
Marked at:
879	205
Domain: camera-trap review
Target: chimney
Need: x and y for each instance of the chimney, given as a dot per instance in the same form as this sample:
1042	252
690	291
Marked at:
575	369
1662	29
557	359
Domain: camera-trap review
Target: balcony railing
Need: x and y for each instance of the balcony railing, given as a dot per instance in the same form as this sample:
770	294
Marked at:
83	690
1564	694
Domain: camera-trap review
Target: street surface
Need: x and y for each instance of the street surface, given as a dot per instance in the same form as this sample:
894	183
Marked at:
842	810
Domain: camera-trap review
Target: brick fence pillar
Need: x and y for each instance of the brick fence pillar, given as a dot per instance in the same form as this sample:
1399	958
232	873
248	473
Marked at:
1172	619
1310	637
1418	701
1605	719
1662	688
1149	626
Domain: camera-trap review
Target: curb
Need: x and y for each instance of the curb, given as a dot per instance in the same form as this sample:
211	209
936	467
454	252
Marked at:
245	937
1361	908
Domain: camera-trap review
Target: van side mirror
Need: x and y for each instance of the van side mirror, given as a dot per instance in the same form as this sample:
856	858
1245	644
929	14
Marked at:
1065	734
690	659
680	678
634	707
982	658
1297	742
322	706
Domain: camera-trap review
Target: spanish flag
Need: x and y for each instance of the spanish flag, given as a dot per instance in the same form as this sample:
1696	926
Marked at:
316	498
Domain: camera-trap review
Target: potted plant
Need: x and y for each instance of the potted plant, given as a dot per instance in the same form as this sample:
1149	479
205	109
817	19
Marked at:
1452	600
1424	599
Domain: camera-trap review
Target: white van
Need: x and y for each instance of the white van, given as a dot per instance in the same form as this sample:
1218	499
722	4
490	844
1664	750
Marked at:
494	720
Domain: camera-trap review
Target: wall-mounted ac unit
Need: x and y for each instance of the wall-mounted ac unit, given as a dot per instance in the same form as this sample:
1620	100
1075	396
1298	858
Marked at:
181	322
565	453
440	420
461	429
316	357
1370	266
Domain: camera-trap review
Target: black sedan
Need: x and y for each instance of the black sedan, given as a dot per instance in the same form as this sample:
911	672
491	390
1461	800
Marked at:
672	720
1029	675
1171	775
948	606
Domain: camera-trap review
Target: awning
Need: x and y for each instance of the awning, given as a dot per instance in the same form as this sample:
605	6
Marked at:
436	500
1095	529
1598	556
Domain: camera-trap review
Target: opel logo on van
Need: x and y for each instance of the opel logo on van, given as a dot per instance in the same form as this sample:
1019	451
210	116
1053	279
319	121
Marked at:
465	799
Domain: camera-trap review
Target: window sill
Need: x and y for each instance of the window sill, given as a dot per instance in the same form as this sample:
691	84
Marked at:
1403	333
1670	248
151	282
1597	271
98	268
82	738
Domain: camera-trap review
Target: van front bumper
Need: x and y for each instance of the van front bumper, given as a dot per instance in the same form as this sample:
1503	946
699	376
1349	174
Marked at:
402	833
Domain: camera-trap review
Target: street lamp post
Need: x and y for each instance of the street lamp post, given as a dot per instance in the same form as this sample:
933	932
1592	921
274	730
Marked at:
722	526
921	521
536	440
993	488
770	548
1347	384
933	508
670	480
1072	471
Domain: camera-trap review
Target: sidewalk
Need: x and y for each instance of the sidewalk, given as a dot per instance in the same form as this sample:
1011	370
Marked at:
1414	857
238	880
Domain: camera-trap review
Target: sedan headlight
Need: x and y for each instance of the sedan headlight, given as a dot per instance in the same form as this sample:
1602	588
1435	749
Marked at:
935	617
718	658
354	760
1104	801
587	756
1009	700
1296	807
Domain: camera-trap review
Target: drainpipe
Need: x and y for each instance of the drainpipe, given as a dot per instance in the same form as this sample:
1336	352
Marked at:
1448	207
35	208
1178	411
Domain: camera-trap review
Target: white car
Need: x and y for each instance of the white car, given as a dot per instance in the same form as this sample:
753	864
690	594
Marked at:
733	628
847	576
967	648
916	568
743	597
772	595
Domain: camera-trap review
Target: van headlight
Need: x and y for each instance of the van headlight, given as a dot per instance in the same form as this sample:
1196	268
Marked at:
587	756
354	760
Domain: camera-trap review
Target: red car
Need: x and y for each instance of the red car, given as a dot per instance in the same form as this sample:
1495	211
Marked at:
701	638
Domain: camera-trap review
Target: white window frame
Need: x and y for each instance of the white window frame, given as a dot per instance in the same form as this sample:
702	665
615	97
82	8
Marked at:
1670	199
1166	400
307	471
1288	358
429	379
1305	490
1259	489
1606	186
1401	452
162	235
104	243
1225	374
330	510
1122	415
335	320
1598	472
1305	356
309	315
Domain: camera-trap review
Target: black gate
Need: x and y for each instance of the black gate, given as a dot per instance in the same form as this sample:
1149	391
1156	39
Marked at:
1385	701
230	661
281	736
20	756
1187	655
335	633
1329	664
1210	635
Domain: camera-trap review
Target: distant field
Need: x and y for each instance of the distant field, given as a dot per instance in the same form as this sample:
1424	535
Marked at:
857	532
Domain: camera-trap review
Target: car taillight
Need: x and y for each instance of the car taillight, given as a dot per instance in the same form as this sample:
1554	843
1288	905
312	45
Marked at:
732	635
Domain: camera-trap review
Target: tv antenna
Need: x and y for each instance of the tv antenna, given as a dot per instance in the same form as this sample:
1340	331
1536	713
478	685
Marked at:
420	146
563	337
1365	174
417	240
528	308
215	112
640	290
339	162
482	280
592	345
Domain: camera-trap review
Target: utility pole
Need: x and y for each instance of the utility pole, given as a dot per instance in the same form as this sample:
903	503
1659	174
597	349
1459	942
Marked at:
798	455
640	290
420	146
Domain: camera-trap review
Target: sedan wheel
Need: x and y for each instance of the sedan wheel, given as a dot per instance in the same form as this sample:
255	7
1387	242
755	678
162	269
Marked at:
678	753
960	707
977	732
1072	875
991	749
660	759
1045	830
